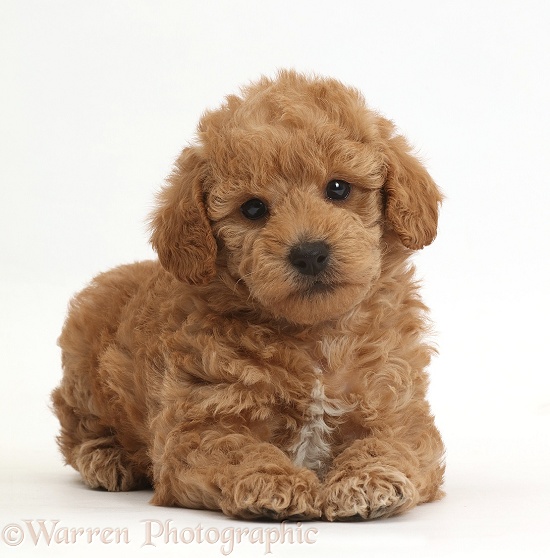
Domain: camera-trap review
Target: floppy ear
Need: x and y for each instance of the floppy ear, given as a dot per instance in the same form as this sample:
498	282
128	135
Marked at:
181	232
412	197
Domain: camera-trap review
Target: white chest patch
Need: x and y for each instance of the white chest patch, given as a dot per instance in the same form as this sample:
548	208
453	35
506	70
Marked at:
312	449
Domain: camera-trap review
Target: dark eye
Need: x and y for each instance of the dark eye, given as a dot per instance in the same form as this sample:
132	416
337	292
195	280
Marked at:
254	209
338	190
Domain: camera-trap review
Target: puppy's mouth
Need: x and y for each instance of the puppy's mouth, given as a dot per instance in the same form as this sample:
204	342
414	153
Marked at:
319	287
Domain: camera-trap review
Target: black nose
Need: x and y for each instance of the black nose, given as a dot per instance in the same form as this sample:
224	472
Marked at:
310	258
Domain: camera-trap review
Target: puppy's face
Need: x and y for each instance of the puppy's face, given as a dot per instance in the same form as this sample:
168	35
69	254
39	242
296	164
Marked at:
289	192
305	240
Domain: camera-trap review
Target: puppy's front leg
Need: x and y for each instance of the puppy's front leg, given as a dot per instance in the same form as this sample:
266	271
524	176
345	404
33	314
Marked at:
369	480
221	469
384	476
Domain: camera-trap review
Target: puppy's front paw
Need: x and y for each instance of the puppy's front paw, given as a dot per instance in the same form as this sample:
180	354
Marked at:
280	495
376	491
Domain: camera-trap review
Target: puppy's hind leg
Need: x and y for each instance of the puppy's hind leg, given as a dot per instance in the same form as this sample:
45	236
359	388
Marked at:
92	449
104	465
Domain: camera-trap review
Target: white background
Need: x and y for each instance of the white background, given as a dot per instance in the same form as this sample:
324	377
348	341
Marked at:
96	100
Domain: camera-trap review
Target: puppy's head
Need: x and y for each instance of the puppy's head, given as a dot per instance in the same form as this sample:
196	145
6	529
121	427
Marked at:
290	191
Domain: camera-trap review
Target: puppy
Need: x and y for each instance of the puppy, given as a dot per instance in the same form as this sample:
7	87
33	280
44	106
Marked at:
272	362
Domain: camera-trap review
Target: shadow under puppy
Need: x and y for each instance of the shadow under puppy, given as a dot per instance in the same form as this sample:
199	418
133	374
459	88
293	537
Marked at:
272	362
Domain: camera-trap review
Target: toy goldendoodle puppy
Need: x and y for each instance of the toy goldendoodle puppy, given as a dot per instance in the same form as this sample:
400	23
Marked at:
272	362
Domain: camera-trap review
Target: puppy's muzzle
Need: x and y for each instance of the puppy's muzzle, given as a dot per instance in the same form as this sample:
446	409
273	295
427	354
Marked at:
310	258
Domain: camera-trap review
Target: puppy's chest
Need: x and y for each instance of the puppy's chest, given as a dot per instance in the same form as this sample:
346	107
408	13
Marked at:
324	408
